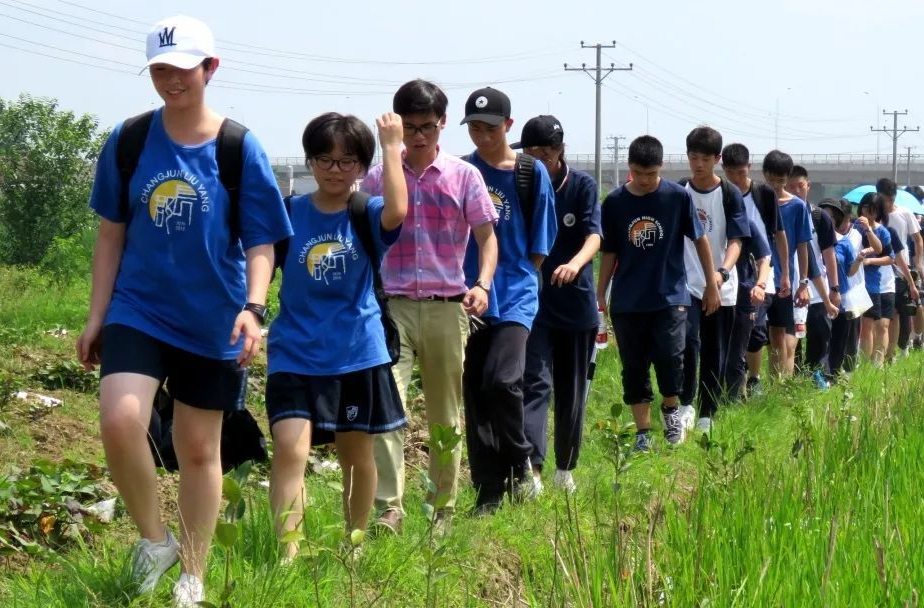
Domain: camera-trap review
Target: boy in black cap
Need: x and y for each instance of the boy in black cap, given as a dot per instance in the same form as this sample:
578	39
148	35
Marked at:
562	341
495	356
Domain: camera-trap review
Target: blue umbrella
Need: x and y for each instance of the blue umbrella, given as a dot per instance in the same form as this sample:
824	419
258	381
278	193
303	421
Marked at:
903	199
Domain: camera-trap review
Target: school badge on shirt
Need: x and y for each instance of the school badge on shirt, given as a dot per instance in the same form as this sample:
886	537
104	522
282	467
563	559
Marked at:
645	232
172	197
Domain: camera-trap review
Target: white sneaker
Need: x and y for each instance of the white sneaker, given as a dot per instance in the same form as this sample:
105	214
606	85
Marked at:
537	484
687	416
564	481
704	424
188	592
150	560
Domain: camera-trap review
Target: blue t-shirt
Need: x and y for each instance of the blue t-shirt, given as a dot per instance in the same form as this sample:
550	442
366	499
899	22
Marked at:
753	248
797	223
515	291
181	278
577	205
329	321
845	255
875	276
647	235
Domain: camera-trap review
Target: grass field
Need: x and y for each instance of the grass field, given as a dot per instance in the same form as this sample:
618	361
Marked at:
799	498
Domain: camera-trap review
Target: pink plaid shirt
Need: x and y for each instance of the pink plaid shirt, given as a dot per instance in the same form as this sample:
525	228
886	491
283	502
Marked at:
444	204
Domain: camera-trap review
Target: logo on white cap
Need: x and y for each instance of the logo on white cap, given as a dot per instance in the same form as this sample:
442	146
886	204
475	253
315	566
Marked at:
481	102
180	41
556	127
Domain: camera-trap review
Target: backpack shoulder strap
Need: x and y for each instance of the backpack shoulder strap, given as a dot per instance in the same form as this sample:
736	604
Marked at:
467	158
132	135
524	174
229	153
683	181
728	196
359	217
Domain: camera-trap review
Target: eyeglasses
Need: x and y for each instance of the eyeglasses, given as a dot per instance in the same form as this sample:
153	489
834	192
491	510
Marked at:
327	163
425	129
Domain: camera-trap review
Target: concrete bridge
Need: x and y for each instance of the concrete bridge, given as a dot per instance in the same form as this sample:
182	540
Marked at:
831	174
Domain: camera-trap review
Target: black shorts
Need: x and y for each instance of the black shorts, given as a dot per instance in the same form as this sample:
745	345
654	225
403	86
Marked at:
646	338
883	306
903	304
366	401
759	337
197	381
780	314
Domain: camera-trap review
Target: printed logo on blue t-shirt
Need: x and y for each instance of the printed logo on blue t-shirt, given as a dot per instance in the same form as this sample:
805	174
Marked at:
326	256
501	204
171	198
645	232
706	220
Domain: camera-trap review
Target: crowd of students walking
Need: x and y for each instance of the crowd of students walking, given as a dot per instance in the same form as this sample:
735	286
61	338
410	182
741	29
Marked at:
478	269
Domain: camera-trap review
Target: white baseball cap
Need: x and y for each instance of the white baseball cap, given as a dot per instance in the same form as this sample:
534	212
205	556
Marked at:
180	41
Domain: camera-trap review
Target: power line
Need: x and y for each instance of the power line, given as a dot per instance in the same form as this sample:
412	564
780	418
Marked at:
598	77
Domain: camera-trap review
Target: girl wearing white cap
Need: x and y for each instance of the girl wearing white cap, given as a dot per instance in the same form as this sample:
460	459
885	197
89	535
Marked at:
189	212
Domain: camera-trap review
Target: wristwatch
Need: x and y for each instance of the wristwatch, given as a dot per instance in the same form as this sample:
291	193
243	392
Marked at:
723	273
835	288
803	281
259	311
483	285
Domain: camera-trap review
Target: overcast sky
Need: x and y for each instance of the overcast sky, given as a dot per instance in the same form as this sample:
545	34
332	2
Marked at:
828	65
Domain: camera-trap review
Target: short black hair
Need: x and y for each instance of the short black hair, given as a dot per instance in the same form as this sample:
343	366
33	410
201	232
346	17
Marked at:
419	97
704	140
874	200
777	163
916	191
327	130
886	187
735	156
798	171
646	151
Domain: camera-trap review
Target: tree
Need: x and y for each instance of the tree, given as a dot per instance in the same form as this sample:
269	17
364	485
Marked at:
47	157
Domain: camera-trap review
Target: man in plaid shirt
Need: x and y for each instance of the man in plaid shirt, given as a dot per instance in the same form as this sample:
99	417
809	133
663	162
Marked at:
423	276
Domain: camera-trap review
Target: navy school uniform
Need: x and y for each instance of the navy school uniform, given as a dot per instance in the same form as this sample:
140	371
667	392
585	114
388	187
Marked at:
495	356
707	339
817	322
649	297
561	343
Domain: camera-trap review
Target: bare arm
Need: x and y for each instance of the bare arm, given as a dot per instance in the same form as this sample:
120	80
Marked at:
475	301
566	273
732	252
918	251
604	275
259	274
782	250
107	255
394	186
537	259
711	298
830	261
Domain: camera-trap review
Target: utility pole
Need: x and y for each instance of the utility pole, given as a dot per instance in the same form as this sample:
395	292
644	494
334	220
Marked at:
895	133
616	148
598	75
909	149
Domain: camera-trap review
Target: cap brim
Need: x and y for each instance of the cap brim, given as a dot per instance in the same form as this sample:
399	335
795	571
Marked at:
517	145
491	119
184	61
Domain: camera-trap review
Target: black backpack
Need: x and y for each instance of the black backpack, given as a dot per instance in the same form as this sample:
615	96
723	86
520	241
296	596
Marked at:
359	218
229	153
524	175
728	193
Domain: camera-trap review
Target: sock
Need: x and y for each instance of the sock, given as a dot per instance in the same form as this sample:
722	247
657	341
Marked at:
669	409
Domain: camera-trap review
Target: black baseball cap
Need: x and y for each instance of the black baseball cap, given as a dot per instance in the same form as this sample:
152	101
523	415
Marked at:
842	206
487	105
543	130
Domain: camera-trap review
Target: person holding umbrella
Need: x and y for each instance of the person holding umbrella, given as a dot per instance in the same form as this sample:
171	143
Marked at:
560	347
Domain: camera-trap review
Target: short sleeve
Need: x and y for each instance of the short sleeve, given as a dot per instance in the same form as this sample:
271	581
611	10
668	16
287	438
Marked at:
476	202
263	215
690	225
897	245
384	239
608	221
760	248
590	207
106	195
736	218
912	221
803	226
545	223
824	228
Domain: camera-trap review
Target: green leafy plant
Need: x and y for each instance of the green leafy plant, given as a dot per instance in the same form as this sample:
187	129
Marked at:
228	530
67	375
43	507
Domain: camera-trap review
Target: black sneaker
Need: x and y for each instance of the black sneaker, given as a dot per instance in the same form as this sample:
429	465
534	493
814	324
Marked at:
673	427
754	387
